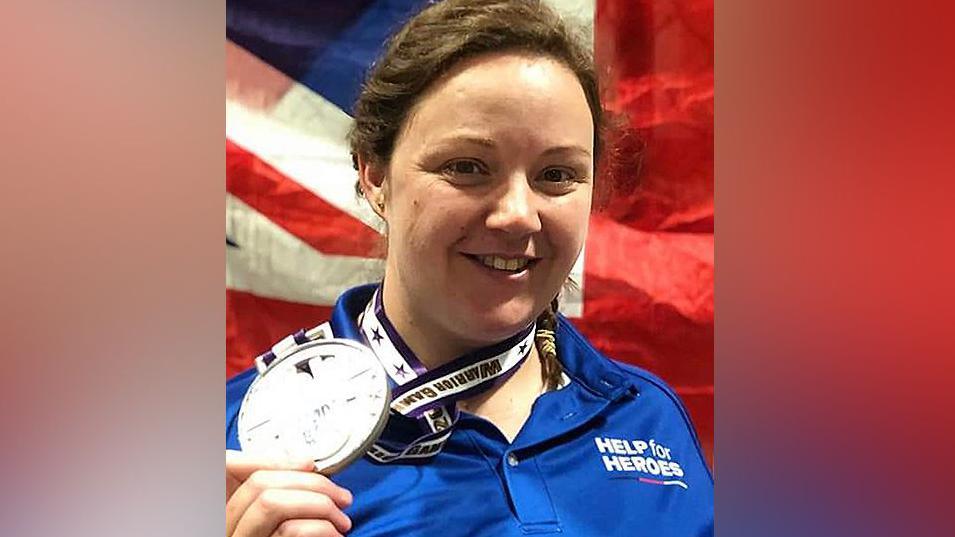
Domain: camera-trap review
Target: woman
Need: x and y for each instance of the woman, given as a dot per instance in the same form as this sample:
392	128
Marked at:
475	138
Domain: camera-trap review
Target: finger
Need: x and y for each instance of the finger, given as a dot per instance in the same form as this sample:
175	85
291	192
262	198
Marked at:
306	528
275	506
263	480
240	465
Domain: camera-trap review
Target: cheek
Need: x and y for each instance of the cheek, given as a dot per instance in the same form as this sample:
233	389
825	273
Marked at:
406	224
569	224
430	227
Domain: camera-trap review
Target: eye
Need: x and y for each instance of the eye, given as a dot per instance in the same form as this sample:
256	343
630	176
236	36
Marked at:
558	175
464	167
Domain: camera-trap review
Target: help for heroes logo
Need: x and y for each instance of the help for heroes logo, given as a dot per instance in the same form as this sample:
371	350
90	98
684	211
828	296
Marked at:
646	457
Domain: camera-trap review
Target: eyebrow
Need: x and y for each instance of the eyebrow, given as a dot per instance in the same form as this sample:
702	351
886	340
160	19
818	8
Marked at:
476	140
490	143
567	149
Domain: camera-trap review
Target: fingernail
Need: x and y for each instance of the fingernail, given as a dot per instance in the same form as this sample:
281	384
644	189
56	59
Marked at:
347	497
304	464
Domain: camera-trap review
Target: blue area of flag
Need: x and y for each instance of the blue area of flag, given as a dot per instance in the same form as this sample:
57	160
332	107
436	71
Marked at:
326	45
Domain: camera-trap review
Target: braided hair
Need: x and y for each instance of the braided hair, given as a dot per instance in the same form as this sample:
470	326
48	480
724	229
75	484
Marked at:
545	340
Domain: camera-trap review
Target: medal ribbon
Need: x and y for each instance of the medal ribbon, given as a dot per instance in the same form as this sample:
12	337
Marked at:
429	397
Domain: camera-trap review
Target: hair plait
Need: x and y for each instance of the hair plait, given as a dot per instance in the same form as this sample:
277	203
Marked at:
546	341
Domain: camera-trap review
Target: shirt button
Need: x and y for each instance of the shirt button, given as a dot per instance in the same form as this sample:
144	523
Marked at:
512	459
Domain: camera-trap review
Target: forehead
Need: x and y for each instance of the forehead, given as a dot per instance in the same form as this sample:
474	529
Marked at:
507	97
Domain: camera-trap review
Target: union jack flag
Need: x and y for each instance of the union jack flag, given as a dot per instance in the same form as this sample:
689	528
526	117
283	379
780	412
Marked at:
297	234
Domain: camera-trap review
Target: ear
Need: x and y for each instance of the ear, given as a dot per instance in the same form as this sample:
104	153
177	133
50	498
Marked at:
371	179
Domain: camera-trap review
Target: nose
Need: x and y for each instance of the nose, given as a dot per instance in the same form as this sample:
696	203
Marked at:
514	208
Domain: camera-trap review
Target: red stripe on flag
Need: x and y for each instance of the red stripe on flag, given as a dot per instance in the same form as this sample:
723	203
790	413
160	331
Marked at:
253	324
672	268
295	208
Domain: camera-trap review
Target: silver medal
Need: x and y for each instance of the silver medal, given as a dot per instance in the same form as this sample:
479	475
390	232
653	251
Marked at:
327	400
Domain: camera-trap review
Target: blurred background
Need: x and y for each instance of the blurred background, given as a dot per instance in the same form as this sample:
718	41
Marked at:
296	235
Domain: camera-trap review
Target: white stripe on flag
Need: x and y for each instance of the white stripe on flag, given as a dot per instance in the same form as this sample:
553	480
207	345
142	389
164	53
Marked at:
302	135
579	13
270	262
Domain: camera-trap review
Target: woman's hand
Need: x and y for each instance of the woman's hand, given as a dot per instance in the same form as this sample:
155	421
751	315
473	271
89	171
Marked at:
266	497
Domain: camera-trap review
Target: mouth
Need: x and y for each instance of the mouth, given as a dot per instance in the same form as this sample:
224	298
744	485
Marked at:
510	265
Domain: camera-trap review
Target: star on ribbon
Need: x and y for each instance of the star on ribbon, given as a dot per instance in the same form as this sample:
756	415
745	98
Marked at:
400	370
376	335
522	348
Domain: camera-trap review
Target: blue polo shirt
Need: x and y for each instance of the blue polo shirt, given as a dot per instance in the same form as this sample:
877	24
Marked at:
612	453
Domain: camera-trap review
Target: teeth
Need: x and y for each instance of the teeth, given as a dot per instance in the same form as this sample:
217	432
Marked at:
501	263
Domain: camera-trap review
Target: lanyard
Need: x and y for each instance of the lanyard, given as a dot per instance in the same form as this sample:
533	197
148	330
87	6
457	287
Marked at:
429	397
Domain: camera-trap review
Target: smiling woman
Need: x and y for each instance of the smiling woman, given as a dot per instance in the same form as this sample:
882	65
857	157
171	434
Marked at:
486	196
476	139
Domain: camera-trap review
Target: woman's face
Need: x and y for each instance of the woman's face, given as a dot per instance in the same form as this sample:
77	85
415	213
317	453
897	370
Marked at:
487	196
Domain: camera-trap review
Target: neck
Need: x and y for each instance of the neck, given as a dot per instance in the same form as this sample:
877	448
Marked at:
431	345
508	405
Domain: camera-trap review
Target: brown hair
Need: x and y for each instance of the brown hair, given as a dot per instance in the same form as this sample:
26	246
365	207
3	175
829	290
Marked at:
432	42
445	33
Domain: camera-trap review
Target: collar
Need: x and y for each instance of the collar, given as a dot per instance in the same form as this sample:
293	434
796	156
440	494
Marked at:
588	366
